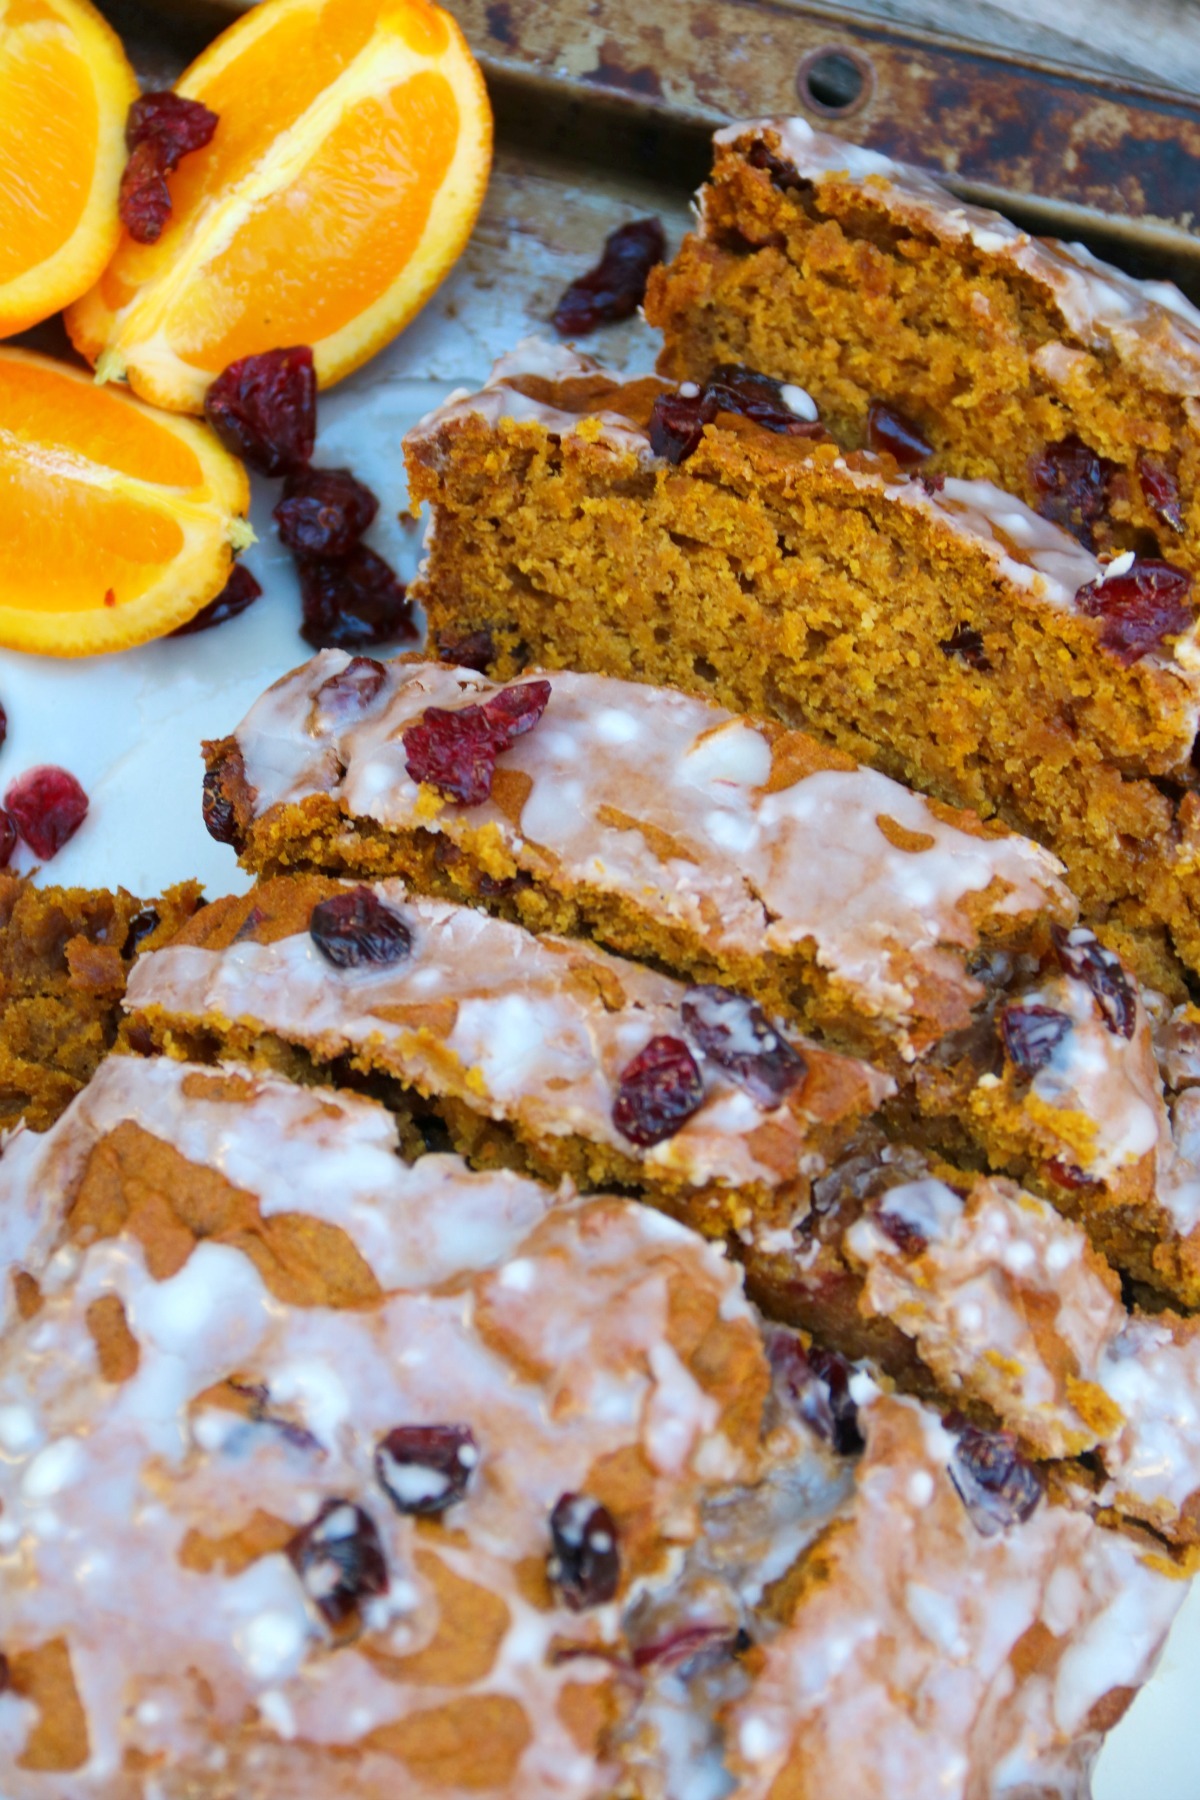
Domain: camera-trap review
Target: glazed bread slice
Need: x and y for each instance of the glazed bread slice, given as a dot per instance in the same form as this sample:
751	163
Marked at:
937	629
1019	360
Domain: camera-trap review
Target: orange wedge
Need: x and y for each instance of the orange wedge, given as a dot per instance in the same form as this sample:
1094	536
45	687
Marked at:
117	523
342	182
65	88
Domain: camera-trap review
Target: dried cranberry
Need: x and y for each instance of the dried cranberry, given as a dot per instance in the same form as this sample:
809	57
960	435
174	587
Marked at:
1084	957
890	430
456	752
908	1238
354	928
160	130
323	512
426	1468
47	806
264	409
737	389
1068	1174
239	592
349	693
1161	491
583	1563
735	1032
220	815
1140	609
353	602
1031	1035
783	174
339	1560
144	200
8	839
677	424
142	925
817	1383
616	287
475	651
691	1648
967	644
657	1092
994	1482
1071	485
933	484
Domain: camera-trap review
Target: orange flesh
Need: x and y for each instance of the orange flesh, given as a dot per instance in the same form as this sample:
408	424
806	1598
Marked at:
315	255
41	407
58	533
49	127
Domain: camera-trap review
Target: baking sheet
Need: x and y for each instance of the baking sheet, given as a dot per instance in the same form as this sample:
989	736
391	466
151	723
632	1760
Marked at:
129	726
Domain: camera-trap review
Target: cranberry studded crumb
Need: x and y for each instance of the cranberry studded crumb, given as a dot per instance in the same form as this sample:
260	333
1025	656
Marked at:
616	287
239	592
324	512
353	602
994	1482
47	806
677	424
1161	491
1140	609
456	752
737	389
355	928
967	644
816	1383
734	1031
220	816
349	693
1071	483
1085	958
264	409
657	1092
161	129
889	430
1031	1035
584	1565
339	1560
425	1468
475	651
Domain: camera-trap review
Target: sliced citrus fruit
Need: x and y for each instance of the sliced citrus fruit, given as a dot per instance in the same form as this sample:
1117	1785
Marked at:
117	523
342	182
65	88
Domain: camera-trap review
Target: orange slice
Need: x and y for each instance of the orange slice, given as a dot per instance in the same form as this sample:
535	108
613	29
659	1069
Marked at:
117	523
65	88
342	182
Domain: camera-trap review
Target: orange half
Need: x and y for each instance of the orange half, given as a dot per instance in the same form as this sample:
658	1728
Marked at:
65	89
341	185
117	523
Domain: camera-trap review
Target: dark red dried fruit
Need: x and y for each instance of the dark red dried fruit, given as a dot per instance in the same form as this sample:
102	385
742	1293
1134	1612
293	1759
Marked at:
5	1674
890	430
616	287
737	389
691	1648
3	726
161	129
1161	491
354	602
1140	609
456	752
47	806
239	592
264	409
475	651
1084	957
340	1561
967	644
1071	485
348	694
323	512
735	1032
355	928
783	174
657	1092
142	925
908	1238
584	1565
426	1468
1068	1174
677	424
933	484
220	816
1031	1035
995	1483
817	1384
8	839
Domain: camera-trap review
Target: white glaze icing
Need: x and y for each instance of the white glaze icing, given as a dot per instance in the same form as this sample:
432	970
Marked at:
755	870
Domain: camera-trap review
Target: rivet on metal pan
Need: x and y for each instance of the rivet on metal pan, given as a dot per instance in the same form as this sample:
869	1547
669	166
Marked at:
835	81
